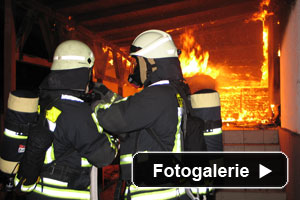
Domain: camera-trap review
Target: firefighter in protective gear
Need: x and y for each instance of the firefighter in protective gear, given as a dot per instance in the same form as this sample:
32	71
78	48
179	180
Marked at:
78	141
155	107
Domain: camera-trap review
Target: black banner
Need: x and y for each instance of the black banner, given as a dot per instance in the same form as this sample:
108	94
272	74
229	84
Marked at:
210	169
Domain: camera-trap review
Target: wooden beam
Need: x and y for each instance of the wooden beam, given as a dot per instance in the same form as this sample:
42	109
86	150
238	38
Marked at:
123	9
57	5
116	65
119	75
101	60
9	52
110	79
210	16
47	36
36	6
34	60
24	30
189	13
125	39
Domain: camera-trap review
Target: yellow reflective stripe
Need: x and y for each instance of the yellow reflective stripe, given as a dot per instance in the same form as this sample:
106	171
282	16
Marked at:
112	144
107	105
155	195
100	130
177	142
54	182
126	159
113	97
16	180
85	163
134	188
180	100
200	190
124	99
94	116
24	188
13	134
215	131
49	157
53	114
27	188
102	106
62	193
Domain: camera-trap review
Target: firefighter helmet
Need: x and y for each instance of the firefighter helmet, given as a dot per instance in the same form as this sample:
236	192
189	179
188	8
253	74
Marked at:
72	54
153	44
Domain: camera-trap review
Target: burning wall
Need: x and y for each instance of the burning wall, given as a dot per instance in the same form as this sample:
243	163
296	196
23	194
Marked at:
232	58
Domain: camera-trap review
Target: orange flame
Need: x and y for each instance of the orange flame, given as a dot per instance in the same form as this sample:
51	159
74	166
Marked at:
247	102
127	62
111	61
105	49
194	61
261	16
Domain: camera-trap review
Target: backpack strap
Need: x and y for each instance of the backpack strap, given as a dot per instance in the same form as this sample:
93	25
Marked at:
183	104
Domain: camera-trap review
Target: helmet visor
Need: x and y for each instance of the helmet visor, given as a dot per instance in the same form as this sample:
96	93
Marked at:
134	76
134	49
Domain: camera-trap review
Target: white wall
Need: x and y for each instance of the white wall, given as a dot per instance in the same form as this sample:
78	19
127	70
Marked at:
290	73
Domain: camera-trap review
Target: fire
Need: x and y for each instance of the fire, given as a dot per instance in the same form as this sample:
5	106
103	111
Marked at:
261	16
128	64
240	102
193	60
264	67
105	49
111	62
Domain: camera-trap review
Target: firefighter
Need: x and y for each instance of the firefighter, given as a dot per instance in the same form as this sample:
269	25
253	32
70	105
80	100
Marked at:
155	107
78	142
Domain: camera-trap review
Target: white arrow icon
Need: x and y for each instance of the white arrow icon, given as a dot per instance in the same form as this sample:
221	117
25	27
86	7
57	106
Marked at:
263	171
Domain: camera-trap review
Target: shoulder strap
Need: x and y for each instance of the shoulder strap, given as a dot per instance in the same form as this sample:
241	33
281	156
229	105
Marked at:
182	101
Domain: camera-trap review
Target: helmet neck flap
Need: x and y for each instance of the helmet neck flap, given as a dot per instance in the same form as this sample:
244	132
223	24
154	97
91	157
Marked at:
74	79
166	69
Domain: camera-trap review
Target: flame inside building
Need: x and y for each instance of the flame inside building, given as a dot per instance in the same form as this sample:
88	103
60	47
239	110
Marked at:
244	94
233	61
